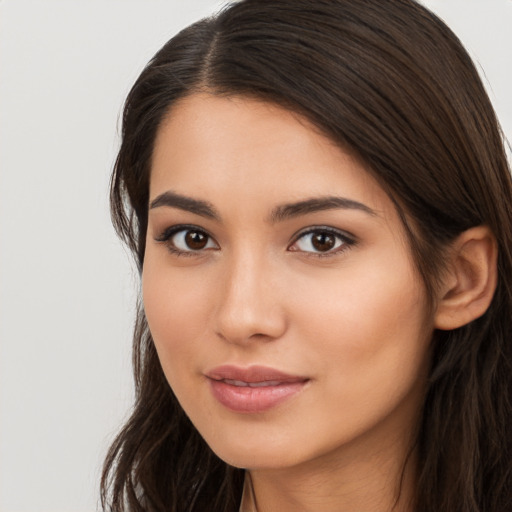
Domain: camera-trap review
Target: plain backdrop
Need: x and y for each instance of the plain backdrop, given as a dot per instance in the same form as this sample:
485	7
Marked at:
67	287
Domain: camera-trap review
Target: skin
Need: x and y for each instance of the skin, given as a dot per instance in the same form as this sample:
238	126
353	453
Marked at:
352	320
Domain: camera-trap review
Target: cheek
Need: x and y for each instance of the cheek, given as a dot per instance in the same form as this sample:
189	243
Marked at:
175	308
370	347
370	324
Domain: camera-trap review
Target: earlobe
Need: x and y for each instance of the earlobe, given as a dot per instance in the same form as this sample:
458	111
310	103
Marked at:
471	279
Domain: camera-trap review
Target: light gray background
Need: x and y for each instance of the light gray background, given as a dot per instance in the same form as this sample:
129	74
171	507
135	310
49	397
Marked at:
66	286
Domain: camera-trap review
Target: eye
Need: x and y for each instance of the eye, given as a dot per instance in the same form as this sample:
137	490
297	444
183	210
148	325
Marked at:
322	241
187	240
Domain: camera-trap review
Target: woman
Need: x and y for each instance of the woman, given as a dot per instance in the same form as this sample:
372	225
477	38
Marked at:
318	199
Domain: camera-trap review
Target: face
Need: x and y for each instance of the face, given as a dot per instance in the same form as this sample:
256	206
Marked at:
279	288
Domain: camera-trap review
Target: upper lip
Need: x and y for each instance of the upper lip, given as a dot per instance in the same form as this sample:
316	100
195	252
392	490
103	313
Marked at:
252	374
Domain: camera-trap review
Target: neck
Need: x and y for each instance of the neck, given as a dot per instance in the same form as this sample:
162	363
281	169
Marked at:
376	480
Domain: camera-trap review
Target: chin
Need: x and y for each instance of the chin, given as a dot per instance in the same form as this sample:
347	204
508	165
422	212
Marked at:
263	453
259	460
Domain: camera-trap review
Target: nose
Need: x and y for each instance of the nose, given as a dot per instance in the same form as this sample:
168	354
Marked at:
250	307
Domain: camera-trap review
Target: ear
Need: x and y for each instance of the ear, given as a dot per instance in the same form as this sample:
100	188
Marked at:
470	282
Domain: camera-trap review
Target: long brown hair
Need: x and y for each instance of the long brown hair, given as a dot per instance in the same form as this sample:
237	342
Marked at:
389	80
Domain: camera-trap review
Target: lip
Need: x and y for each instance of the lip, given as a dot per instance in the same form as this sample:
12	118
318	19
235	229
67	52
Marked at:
253	389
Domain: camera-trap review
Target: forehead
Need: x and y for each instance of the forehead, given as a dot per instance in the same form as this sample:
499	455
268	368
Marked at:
209	145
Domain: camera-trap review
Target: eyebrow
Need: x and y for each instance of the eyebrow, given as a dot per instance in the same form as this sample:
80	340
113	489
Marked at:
197	206
317	204
278	214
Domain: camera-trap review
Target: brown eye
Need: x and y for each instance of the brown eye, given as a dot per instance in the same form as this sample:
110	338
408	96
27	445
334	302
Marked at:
323	241
196	240
188	240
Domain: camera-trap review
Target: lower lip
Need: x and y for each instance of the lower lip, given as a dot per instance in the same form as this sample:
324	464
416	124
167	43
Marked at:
246	399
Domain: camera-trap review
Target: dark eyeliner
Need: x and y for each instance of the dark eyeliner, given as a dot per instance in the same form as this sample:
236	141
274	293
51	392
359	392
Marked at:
348	239
165	236
172	230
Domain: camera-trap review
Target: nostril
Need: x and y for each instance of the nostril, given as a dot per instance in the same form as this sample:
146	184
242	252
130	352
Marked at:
250	328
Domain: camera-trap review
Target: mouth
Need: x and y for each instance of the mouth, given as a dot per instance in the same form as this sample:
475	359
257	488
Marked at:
254	389
241	383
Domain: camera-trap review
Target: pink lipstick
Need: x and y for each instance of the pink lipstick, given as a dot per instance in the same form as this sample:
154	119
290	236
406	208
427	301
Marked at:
253	389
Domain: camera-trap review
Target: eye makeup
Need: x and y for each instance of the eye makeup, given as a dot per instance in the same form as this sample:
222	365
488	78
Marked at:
314	241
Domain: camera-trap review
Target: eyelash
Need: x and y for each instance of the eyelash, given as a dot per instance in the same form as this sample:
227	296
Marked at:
166	236
346	240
